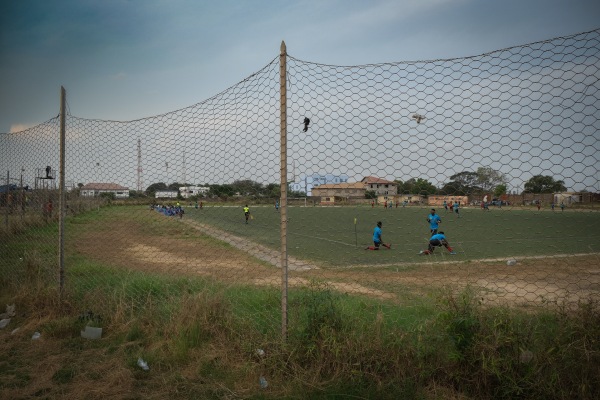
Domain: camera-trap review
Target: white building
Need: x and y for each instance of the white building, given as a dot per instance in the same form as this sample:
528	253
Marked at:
95	189
166	194
306	183
567	198
190	191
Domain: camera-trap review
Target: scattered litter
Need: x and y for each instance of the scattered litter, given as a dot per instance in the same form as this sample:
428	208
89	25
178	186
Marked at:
90	316
4	323
15	331
36	336
511	262
10	312
263	382
260	352
526	357
143	364
91	332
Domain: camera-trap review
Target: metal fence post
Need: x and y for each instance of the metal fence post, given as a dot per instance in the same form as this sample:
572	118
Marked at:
283	189
61	204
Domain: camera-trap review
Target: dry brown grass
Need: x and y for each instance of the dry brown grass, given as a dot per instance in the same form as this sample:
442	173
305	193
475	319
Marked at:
190	354
129	243
196	348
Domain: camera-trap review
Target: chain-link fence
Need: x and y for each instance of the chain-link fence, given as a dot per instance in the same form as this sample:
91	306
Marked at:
503	146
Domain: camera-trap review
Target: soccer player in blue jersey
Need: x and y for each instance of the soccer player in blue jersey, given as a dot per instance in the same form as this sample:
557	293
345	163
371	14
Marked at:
437	240
377	239
434	221
455	207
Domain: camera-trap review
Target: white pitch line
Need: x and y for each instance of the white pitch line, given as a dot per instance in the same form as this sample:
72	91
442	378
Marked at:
329	240
482	260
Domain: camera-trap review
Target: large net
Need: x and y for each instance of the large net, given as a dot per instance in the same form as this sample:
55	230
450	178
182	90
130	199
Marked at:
504	146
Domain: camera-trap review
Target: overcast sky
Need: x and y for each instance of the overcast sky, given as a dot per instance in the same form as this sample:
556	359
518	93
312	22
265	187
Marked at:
123	60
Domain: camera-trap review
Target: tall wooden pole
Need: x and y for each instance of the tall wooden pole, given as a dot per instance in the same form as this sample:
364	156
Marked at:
22	194
62	197
6	198
283	189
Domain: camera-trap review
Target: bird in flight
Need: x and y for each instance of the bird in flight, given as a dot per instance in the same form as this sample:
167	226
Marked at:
306	122
418	117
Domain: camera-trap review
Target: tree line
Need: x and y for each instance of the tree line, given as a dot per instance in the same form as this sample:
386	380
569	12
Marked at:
244	188
483	181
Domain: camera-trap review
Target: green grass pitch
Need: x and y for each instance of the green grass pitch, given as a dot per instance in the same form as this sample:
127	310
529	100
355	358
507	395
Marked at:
329	236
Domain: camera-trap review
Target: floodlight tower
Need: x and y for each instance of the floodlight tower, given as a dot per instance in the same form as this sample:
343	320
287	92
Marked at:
167	176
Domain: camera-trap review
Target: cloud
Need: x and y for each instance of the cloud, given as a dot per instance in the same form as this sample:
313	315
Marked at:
119	76
389	12
20	127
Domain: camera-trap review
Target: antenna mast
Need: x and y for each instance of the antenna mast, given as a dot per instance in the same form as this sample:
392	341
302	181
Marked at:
184	182
139	166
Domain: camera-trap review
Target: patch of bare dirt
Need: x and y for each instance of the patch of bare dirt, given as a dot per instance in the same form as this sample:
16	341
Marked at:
173	250
186	247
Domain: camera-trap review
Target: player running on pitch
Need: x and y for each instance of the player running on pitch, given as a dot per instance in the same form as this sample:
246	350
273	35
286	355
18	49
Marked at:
247	212
455	206
434	221
377	240
437	240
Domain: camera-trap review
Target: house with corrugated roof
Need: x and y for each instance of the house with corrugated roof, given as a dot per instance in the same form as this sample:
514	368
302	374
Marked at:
330	191
96	189
381	187
335	192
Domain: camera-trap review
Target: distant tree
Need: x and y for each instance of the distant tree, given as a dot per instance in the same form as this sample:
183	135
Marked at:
222	191
296	193
175	186
400	186
416	186
247	187
488	179
454	189
370	194
463	183
136	194
544	184
423	187
76	191
273	190
108	195
500	190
